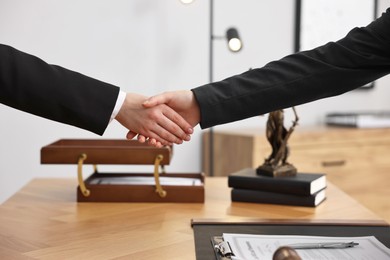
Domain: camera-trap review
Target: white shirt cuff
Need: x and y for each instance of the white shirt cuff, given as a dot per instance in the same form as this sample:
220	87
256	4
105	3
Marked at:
118	104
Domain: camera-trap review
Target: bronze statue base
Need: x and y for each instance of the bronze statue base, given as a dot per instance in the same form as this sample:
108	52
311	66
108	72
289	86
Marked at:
278	171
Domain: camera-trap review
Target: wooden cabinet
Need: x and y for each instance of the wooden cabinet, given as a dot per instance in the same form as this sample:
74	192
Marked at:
356	160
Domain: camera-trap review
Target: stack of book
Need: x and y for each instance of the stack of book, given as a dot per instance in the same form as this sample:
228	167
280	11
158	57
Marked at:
303	189
378	119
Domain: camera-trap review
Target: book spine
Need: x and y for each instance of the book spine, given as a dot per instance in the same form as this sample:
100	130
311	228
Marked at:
360	120
253	196
261	184
342	120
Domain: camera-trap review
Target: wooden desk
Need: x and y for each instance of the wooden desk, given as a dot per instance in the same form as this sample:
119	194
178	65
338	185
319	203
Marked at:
354	159
44	221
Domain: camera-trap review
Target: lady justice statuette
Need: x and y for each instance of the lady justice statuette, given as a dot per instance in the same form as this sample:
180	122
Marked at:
276	164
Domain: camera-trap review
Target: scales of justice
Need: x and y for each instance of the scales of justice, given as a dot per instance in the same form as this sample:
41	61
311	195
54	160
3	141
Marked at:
276	164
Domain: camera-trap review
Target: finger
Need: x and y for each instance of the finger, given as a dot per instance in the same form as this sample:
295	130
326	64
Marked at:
130	135
174	124
154	138
162	129
155	143
152	141
179	121
170	132
141	138
157	100
163	136
159	145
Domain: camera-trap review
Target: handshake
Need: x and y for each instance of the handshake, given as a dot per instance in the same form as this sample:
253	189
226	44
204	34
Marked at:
160	120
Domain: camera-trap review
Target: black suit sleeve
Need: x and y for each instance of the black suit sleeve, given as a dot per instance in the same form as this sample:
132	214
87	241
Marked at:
29	84
335	68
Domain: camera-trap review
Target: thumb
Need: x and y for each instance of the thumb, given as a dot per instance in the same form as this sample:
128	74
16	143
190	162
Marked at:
157	100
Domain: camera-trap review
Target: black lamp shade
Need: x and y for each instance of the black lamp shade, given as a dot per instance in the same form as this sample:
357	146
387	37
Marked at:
234	41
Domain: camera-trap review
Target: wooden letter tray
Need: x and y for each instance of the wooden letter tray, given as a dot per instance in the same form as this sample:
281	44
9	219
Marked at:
120	187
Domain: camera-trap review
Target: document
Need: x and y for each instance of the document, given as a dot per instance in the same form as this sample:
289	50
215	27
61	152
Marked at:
256	247
137	180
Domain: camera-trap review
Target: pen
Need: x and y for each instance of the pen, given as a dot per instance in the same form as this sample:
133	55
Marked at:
325	245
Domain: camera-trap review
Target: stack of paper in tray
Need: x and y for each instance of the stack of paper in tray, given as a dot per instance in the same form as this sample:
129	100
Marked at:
304	189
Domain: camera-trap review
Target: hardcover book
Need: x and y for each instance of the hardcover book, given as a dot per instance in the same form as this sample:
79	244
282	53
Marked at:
379	119
258	196
301	184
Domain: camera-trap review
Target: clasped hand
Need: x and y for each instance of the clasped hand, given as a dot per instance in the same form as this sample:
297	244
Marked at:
164	119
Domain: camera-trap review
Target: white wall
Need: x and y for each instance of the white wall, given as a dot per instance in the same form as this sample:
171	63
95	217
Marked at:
144	46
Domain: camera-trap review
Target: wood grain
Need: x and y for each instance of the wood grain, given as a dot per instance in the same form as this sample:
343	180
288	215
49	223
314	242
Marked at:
44	221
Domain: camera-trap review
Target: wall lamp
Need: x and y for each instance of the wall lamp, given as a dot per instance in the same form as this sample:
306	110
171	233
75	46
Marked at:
186	1
234	41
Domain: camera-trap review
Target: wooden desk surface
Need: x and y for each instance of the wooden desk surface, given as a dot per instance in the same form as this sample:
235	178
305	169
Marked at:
44	221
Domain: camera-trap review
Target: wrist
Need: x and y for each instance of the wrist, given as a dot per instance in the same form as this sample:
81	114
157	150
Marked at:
195	108
118	105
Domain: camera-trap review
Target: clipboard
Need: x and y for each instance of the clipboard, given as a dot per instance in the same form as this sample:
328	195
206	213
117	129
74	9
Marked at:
222	249
205	230
98	188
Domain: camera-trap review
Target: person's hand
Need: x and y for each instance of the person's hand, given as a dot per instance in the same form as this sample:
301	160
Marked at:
160	123
183	102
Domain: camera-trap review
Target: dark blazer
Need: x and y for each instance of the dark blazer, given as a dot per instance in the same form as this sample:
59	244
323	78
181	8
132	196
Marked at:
335	68
27	83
